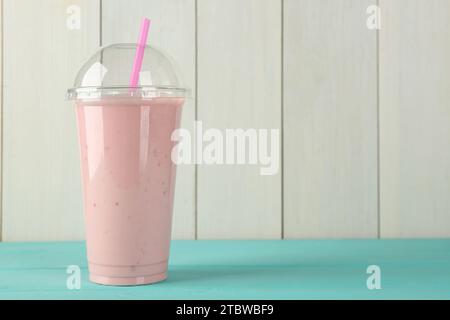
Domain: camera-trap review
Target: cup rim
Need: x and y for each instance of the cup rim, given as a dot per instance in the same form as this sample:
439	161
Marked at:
142	92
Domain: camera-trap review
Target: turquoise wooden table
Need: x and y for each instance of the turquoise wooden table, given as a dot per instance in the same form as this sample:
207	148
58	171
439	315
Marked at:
283	269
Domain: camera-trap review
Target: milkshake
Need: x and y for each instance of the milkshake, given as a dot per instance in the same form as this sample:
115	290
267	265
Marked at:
127	173
129	183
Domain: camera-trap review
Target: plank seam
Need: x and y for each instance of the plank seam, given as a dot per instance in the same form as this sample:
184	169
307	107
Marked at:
196	118
378	126
101	22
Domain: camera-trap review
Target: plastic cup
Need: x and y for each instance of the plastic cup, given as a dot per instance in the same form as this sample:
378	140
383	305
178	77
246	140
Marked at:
127	172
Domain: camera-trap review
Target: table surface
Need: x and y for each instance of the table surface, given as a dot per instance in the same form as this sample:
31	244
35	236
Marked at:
279	269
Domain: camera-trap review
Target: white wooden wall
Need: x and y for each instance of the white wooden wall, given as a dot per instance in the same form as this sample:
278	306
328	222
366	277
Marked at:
364	115
239	82
41	184
330	117
415	118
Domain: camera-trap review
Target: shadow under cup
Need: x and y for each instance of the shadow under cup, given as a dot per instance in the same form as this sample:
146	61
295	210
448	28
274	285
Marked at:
128	186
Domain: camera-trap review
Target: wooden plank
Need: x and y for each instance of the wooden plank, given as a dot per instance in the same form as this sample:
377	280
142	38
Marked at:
330	120
173	30
41	175
415	118
239	86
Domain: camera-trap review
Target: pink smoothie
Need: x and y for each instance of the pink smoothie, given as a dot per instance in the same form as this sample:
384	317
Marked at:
129	182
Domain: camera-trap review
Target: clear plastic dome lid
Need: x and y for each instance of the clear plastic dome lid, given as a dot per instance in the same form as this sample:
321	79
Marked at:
107	73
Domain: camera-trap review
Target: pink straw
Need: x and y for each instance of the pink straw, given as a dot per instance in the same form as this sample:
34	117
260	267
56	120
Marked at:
137	65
